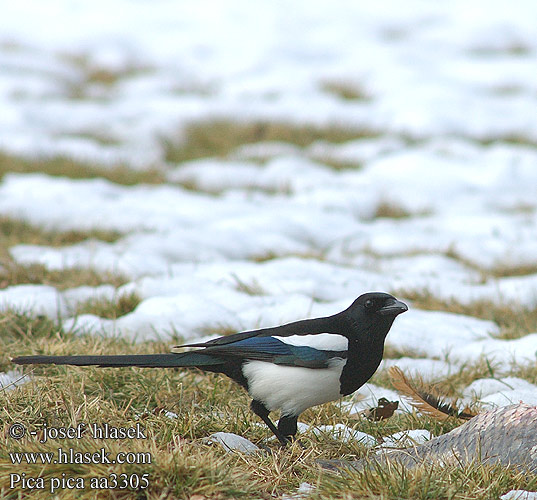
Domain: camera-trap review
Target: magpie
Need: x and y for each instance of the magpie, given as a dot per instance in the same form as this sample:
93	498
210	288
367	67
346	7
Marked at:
290	367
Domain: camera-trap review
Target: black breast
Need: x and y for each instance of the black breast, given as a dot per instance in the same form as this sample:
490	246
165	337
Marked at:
364	358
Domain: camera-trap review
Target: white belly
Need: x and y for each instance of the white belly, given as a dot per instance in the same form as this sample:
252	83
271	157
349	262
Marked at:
292	389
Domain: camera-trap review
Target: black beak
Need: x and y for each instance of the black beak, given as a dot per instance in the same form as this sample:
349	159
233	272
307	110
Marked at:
393	307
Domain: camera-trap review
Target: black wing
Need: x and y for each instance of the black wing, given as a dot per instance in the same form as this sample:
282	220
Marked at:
330	324
274	351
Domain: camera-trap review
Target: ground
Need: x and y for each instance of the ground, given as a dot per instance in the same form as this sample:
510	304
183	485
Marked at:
172	173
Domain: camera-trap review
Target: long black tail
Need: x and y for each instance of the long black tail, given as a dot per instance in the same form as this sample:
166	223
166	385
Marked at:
168	360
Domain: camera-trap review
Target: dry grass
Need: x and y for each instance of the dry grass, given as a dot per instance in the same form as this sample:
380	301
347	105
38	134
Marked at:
12	273
392	210
110	308
527	372
251	287
498	270
65	167
96	80
513	139
505	270
182	463
16	232
346	90
221	137
514	321
427	482
336	163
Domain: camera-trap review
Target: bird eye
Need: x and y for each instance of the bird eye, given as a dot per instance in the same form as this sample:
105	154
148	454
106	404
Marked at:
368	303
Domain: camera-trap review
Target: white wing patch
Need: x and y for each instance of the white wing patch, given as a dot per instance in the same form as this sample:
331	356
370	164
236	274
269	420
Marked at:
323	341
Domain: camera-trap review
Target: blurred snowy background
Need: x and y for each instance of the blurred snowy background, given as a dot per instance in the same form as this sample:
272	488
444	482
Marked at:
291	156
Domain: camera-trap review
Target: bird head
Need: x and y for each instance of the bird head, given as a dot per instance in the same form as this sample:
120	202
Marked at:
375	312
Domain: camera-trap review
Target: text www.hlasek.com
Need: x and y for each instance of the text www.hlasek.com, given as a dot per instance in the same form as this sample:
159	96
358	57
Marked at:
71	456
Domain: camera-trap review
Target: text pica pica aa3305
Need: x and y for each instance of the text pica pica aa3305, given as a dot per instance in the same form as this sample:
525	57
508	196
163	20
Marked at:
290	367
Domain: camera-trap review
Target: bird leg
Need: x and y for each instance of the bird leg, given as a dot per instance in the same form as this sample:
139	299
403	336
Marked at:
263	413
287	426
